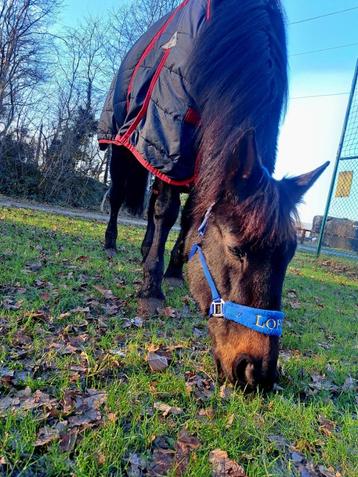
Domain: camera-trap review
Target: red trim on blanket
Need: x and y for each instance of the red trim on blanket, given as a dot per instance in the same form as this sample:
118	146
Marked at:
150	47
145	104
208	10
147	165
192	117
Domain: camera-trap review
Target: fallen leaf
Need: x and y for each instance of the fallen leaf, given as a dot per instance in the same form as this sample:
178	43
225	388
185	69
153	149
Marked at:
293	299
82	258
326	426
200	385
165	409
34	266
68	440
25	400
85	418
112	417
350	384
230	421
162	457
185	445
223	466
169	312
46	435
296	457
225	392
206	413
101	458
10	304
108	294
321	383
136	465
157	362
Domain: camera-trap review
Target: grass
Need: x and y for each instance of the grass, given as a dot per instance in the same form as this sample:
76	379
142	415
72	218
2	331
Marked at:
54	282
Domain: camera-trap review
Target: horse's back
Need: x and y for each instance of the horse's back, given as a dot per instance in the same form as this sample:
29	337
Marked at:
150	109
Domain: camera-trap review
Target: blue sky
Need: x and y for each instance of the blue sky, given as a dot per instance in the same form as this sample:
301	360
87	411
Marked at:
311	132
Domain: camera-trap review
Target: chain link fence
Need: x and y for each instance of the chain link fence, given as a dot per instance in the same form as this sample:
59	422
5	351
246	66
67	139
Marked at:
336	232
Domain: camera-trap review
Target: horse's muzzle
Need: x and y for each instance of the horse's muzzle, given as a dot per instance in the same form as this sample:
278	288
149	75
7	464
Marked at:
251	373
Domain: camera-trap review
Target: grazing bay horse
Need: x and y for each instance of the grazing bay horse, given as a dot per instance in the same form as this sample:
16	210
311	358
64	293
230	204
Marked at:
198	102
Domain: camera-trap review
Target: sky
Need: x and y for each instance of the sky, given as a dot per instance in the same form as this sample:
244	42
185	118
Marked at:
312	128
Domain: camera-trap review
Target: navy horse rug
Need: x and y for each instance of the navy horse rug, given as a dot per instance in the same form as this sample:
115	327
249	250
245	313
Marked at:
149	109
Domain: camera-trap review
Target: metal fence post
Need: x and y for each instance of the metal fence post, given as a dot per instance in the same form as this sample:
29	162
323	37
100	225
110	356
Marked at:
334	176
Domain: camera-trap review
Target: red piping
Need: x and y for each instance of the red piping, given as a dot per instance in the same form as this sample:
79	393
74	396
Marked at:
147	165
144	107
151	46
208	10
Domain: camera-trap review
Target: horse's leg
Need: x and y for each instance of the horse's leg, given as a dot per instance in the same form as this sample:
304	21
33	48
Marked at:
165	212
118	171
148	238
174	273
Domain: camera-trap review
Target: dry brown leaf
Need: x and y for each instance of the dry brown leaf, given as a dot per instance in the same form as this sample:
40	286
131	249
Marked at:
136	465
199	384
68	440
230	421
292	299
223	466
226	392
165	409
169	312
85	418
350	384
322	383
25	400
162	461
108	294
34	266
326	426
206	413
185	445
157	362
46	435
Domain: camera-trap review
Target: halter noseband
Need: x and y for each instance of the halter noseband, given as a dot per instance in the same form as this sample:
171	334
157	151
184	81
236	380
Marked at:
267	322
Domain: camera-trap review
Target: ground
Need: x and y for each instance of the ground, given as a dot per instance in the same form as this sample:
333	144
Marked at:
88	388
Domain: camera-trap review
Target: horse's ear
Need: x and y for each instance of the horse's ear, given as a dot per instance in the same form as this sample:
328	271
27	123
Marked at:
250	163
296	187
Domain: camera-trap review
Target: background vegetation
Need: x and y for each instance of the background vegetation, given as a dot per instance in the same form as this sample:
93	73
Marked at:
53	83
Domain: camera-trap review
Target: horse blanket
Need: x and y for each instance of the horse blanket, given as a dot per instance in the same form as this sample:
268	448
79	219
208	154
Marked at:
149	109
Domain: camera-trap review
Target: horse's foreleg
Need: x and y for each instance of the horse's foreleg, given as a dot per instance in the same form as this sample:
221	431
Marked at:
149	234
174	273
165	212
116	197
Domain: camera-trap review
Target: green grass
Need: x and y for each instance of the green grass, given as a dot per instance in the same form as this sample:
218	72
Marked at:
319	355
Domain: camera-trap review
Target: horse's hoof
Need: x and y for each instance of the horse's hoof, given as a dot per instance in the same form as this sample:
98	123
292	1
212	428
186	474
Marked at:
174	282
149	306
111	252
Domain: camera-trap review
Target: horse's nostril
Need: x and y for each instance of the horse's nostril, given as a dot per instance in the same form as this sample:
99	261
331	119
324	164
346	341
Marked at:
244	370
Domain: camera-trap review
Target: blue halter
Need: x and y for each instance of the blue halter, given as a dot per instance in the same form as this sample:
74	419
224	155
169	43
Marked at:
268	322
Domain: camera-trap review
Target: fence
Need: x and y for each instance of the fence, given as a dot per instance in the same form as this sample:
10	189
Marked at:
336	232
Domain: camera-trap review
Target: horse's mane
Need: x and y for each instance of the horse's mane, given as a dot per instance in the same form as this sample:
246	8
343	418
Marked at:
238	73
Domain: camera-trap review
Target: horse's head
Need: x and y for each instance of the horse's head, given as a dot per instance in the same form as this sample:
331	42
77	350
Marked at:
249	240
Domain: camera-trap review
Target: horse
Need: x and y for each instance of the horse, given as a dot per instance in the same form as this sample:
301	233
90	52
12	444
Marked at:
198	103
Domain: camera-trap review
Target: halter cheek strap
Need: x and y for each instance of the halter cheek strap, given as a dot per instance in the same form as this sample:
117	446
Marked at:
267	322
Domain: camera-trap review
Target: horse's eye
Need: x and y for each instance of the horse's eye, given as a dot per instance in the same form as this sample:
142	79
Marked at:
238	252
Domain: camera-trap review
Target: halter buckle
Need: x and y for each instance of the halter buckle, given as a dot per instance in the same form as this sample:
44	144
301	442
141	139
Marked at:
217	308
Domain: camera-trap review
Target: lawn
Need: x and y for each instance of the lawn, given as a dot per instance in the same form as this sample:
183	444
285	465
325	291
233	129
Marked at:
88	388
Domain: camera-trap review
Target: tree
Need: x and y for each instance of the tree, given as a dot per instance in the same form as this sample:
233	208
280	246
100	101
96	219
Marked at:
24	48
